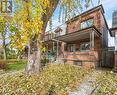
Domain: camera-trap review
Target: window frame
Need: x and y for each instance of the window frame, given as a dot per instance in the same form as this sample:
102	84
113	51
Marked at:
85	22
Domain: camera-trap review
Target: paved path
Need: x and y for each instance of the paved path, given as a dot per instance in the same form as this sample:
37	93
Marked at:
87	87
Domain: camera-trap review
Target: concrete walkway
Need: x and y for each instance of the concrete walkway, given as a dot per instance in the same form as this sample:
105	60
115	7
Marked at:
87	87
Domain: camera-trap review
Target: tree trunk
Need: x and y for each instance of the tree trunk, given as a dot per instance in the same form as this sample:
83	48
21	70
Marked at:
4	52
34	58
4	46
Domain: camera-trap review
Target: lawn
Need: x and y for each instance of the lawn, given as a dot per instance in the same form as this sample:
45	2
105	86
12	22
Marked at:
16	65
53	80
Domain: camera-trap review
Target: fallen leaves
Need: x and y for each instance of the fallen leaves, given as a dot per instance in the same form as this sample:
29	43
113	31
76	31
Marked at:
53	80
108	84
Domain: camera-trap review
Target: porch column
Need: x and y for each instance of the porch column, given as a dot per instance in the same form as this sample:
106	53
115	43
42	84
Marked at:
92	38
57	48
53	46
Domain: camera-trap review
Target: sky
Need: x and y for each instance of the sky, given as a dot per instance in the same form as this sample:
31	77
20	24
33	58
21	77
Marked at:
109	7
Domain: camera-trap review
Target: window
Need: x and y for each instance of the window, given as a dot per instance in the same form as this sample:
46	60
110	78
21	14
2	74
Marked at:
71	47
86	23
85	46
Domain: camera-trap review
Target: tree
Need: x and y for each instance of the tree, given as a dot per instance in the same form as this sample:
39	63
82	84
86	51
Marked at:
4	20
30	21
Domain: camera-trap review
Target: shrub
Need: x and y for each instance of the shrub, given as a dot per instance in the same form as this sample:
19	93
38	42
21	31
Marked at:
44	61
3	64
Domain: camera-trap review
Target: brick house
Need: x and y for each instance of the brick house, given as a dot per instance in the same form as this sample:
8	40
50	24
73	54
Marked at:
82	41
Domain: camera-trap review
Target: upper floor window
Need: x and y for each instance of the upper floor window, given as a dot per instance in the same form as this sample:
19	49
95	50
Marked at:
86	23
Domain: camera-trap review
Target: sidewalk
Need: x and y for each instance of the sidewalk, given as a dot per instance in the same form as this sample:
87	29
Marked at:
87	87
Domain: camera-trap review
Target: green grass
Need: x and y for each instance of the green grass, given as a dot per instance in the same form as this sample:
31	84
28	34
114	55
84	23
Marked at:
15	66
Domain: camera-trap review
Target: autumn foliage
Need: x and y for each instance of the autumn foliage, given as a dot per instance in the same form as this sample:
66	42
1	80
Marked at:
107	84
53	80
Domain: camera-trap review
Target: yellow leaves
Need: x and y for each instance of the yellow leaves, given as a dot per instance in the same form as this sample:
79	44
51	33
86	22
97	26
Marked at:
43	49
17	1
27	25
108	84
2	23
43	3
28	19
1	19
19	40
53	80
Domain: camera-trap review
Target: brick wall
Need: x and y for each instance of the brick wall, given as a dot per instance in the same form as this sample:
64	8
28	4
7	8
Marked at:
85	58
75	25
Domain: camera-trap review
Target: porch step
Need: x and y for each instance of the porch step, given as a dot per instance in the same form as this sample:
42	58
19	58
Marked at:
59	61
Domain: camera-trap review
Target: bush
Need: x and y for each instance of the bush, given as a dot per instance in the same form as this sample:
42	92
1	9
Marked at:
3	64
44	61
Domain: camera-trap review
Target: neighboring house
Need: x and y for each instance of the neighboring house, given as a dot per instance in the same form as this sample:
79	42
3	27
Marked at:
114	34
114	19
83	42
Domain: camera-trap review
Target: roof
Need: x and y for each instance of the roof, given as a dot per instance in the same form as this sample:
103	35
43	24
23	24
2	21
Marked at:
58	30
113	30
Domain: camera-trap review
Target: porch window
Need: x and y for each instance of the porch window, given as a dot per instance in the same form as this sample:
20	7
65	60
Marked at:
86	24
85	46
71	47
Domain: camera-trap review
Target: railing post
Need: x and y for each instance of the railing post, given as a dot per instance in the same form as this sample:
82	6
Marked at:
57	49
53	46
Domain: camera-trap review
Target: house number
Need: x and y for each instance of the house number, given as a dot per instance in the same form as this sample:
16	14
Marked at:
5	6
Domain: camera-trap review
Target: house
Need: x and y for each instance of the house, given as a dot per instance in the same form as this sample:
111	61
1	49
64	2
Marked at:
114	34
83	41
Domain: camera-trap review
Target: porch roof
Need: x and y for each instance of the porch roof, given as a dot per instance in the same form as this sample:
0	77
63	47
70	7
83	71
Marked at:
78	35
113	30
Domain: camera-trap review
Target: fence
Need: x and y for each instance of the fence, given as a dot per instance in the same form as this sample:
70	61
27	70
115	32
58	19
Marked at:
107	59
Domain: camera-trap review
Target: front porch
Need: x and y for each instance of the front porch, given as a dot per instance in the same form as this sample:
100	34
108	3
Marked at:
80	47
